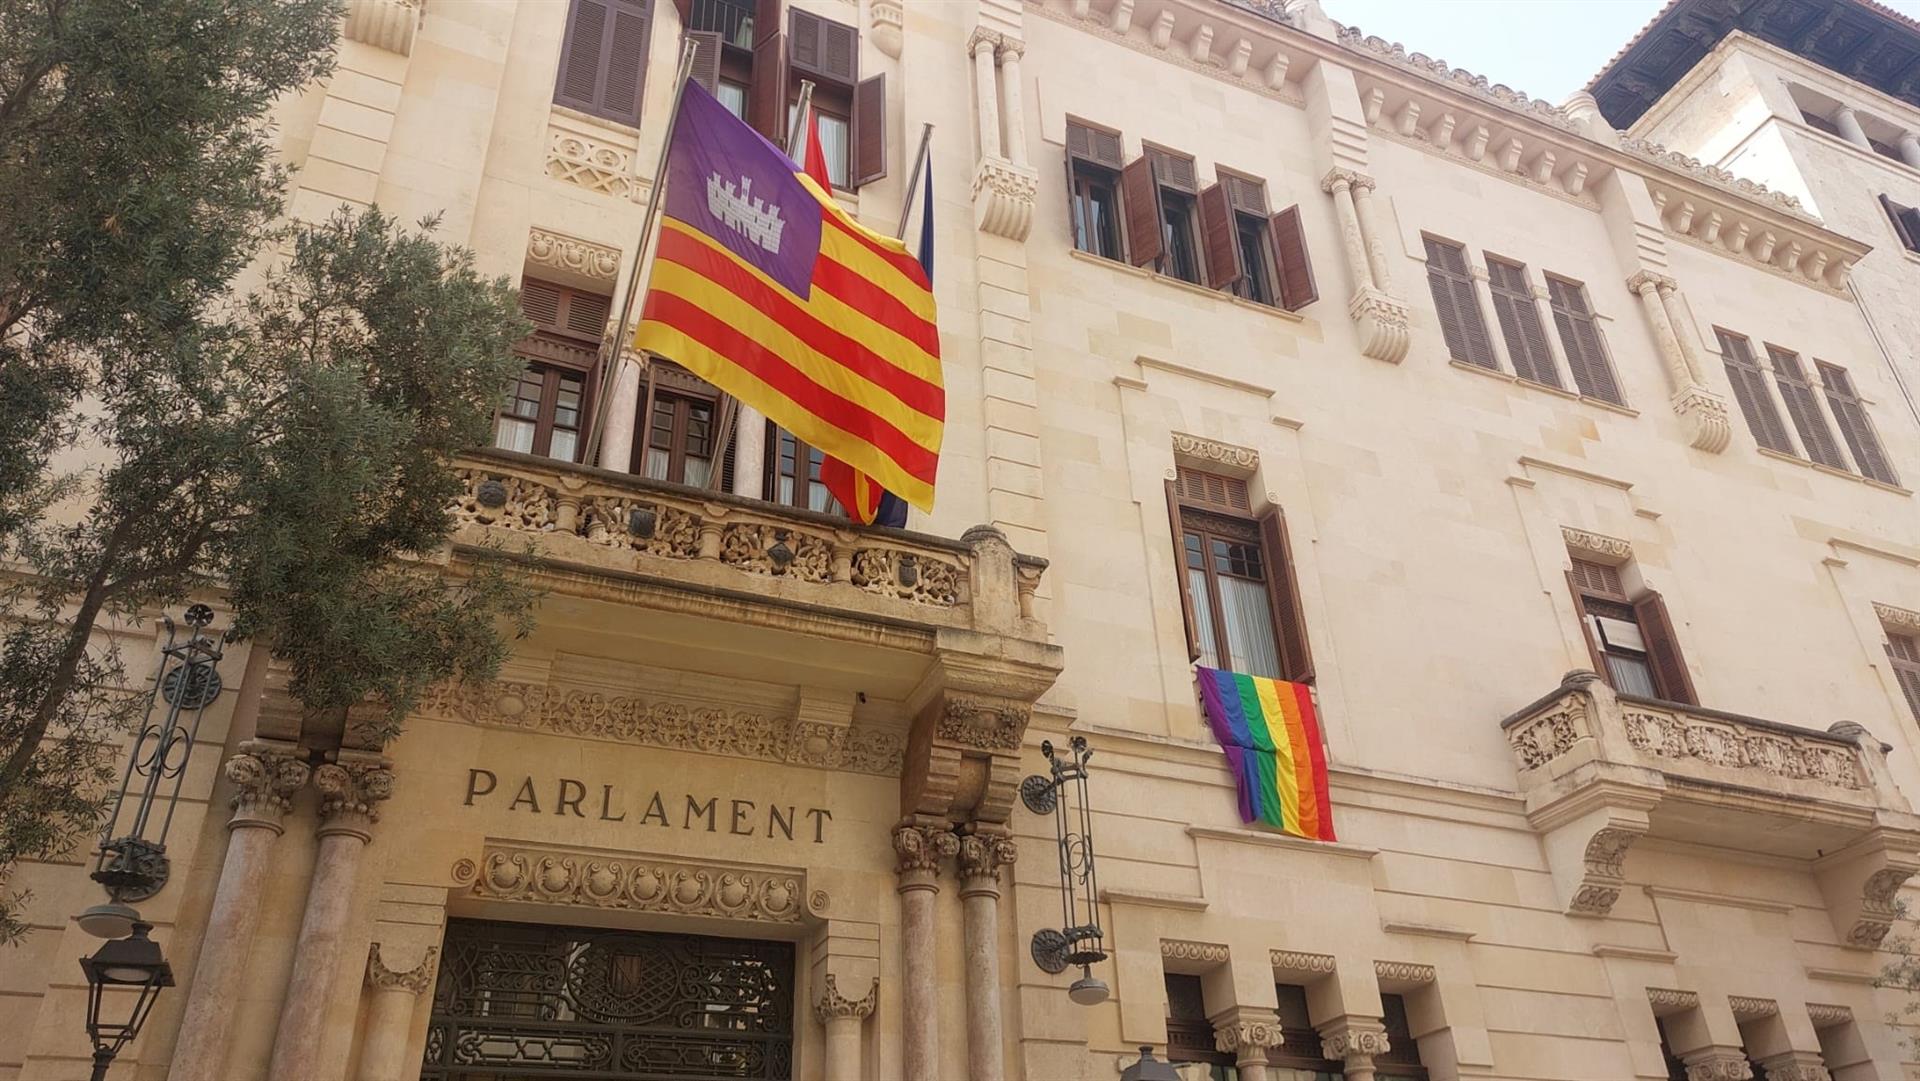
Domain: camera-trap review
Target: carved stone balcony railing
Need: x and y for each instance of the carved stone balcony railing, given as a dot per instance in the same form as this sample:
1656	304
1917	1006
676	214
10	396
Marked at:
1601	770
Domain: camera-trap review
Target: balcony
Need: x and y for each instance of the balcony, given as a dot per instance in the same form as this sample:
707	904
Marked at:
939	634
1600	770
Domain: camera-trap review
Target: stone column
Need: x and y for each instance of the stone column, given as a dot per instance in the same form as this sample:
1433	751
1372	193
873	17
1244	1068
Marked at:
1370	234
383	1048
1848	122
986	90
920	850
750	454
981	857
268	773
1646	286
623	415
1016	115
843	1017
1909	145
1355	1041
1339	184
1669	291
1248	1033
350	789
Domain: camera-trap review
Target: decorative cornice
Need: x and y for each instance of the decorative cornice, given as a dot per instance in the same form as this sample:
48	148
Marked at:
1648	150
1403	972
1458	78
919	849
678	887
1269	81
1824	1015
414	981
1666	1000
834	1006
1597	544
267	775
1746	1007
1206	953
1904	620
583	258
886	18
1297	961
1354	1038
585	152
1214	452
986	723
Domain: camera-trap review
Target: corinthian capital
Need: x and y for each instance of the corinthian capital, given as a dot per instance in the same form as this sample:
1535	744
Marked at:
1353	1037
351	791
834	1006
1644	280
1336	179
981	857
267	774
921	848
1247	1034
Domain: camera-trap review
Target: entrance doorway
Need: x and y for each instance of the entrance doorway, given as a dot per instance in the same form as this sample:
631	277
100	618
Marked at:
517	1000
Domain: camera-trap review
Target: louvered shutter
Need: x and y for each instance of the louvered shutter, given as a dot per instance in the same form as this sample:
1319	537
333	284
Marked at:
1094	145
1180	570
1283	591
581	75
1222	239
1897	214
540	302
1457	304
1905	654
1175	171
1297	288
1750	392
626	61
1215	491
1145	241
1910	217
1519	316
767	96
1797	394
1586	625
1244	195
824	48
586	314
706	58
870	130
1851	414
1586	352
1663	650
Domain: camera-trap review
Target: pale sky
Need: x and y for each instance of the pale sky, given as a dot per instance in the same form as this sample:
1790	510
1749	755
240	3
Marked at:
1548	48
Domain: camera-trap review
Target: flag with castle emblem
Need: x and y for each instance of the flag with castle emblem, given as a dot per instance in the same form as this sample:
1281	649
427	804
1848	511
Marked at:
766	288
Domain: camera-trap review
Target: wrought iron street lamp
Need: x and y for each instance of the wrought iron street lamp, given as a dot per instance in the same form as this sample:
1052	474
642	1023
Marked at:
1149	1069
133	963
1078	942
133	847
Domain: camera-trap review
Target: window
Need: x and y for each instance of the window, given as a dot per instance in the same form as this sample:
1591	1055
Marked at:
1299	1054
1160	195
1519	320
1457	305
1402	1060
1238	594
1189	1033
603	59
542	413
1906	222
544	409
793	473
1851	414
723	35
1580	336
680	418
1750	391
1904	651
1820	123
1093	184
1808	420
1261	257
1631	641
851	113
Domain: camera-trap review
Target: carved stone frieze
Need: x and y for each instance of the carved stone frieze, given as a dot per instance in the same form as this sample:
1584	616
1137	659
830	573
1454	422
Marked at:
1003	197
1666	1000
413	981
1595	544
1904	620
1214	452
1717	1064
1245	1036
1441	71
985	723
1403	972
1605	872
1353	1039
1746	1007
765	549
1734	746
1206	953
592	161
920	849
583	258
266	777
1552	733
908	576
597	880
1648	150
1824	1015
1877	908
1795	1066
1298	961
835	1006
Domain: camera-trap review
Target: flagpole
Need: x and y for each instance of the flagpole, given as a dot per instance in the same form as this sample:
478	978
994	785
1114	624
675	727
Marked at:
913	180
610	366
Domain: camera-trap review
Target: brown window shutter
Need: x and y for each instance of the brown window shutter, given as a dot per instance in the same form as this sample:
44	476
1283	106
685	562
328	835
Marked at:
1223	242
540	302
586	313
803	36
586	39
1145	243
767	96
1750	393
1904	652
1851	414
1519	316
1803	409
1663	650
1180	569
1897	214
1176	171
1586	353
1586	627
626	65
1283	590
870	130
1213	491
706	58
1094	145
1297	289
824	48
1244	194
1457	303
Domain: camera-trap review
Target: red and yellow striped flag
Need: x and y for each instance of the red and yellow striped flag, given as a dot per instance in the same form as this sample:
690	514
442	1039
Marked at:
764	287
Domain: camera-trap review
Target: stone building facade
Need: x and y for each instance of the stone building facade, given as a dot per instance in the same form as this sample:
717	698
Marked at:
1569	472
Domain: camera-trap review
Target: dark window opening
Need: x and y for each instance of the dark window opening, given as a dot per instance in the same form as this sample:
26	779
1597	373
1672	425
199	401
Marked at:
1906	222
1631	640
1096	210
1238	593
1904	651
1181	258
1519	317
1751	394
1402	1060
793	473
1256	259
1299	1052
1580	335
1189	1033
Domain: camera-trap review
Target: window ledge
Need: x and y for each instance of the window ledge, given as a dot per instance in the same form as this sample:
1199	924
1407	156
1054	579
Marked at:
584	117
1215	294
1911	254
1804	463
1558	392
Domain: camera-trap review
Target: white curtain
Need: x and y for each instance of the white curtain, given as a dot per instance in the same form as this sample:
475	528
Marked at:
1203	617
1249	620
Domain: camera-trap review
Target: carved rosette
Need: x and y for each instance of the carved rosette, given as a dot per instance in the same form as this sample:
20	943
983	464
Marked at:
919	850
1607	549
1213	452
1247	1038
350	795
1668	1001
1604	858
1717	1064
582	258
1705	414
1206	953
1403	972
985	723
1382	323
1003	198
557	876
1298	962
981	857
1824	1015
1354	1042
834	1006
413	981
267	780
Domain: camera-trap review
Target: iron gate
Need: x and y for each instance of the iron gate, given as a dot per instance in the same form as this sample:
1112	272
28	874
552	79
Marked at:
519	1000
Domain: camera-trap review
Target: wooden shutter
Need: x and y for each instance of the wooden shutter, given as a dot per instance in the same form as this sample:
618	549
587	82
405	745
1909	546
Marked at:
564	310
1851	414
1904	651
706	58
1145	242
1586	352
581	76
1797	394
870	130
1213	491
1180	569
1457	303
626	61
1586	625
1750	392
1283	591
1663	650
824	48
1243	194
1519	317
1175	171
1898	214
767	94
1095	146
540	302
1222	239
1297	289
1910	217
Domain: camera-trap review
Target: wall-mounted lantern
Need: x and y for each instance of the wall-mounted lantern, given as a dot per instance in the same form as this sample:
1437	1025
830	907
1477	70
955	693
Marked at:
1078	942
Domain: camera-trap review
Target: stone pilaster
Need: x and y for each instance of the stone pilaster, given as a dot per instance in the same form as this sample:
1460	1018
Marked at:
981	857
393	996
842	1018
1355	1041
1248	1033
920	849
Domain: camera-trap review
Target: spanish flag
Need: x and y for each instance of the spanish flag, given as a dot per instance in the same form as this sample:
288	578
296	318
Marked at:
764	287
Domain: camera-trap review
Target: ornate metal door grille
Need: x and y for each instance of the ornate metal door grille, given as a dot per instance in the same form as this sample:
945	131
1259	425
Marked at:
520	1000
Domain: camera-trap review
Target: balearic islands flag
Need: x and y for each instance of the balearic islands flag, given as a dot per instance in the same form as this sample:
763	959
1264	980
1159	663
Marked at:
764	287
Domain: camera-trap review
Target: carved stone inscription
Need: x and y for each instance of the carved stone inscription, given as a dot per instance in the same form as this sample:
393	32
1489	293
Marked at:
647	808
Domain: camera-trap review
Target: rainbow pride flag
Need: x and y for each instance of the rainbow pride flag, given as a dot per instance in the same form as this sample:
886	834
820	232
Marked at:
1272	740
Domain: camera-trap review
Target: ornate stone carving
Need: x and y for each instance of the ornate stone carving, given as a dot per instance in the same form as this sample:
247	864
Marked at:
1605	873
1795	1066
1824	1015
1003	197
351	792
885	21
1552	733
1382	321
1905	620
1746	1007
1297	961
1648	150
1730	745
558	251
766	549
653	528
656	722
1206	953
1403	972
834	1006
595	880
1244	1036
906	576
921	848
267	779
982	856
1877	909
1442	72
1596	544
592	162
1717	1065
1705	414
1344	1039
985	723
1214	452
384	24
1607	851
1665	1001
413	981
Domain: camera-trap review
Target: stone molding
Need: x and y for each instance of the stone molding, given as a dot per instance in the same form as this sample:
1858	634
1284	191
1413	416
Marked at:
984	723
1440	71
1352	1038
1247	1034
1795	1066
1824	1015
886	19
267	773
351	790
414	981
1746	1007
590	879
1403	972
1003	197
1318	964
1706	418
1677	735
1877	909
1206	953
384	24
1650	151
1596	544
834	1006
1904	620
920	849
579	154
1667	1001
1269	80
981	855
1348	179
1382	321
572	255
1214	452
1717	1064
1642	280
981	37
